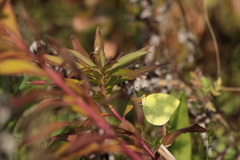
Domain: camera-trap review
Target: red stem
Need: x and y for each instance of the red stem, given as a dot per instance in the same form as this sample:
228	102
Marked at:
116	114
99	120
121	119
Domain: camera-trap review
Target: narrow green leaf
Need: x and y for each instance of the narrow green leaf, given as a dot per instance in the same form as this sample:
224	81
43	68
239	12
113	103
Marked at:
22	83
127	60
82	58
179	120
128	108
57	61
130	74
99	48
110	83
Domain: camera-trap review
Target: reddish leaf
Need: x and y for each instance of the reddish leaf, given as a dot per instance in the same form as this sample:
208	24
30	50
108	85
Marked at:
31	96
18	54
47	130
41	83
81	142
171	137
78	47
49	103
132	131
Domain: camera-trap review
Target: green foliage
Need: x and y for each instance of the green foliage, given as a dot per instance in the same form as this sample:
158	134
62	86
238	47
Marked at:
179	120
210	137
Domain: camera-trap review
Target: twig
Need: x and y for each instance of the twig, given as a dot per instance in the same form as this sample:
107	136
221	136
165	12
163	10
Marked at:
213	37
231	89
184	14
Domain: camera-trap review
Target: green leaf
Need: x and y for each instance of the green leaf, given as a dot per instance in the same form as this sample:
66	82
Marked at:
128	108
22	83
126	60
127	73
83	60
57	61
211	135
110	84
179	120
99	48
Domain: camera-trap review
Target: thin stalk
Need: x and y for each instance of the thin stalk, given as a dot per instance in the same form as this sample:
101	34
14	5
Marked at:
213	37
116	114
230	89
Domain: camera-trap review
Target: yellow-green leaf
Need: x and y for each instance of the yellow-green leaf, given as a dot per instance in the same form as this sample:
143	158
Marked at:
20	67
127	60
56	61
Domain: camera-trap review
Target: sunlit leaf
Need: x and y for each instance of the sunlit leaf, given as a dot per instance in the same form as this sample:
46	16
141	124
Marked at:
14	66
127	73
128	109
82	58
127	60
43	82
10	20
99	48
57	61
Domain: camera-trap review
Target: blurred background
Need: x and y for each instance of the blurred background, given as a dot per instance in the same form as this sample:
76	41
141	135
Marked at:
179	34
